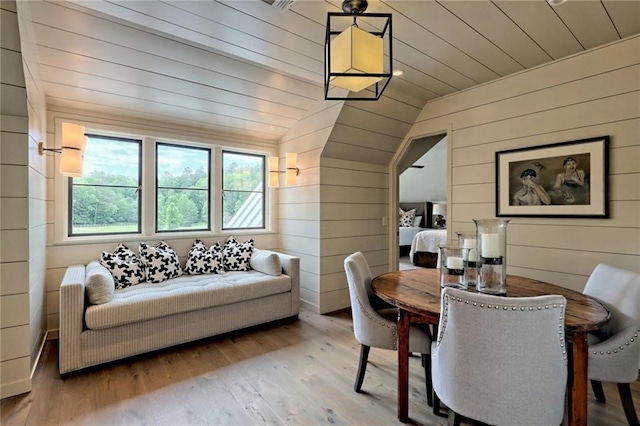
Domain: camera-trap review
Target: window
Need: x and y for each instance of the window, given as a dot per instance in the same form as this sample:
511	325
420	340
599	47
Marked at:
242	190
182	183
106	200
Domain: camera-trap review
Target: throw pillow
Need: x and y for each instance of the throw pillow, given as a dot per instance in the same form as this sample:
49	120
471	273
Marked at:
406	218
237	255
203	260
160	262
124	265
99	283
416	221
267	262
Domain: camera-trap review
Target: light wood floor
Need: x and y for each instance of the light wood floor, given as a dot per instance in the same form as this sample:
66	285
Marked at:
297	373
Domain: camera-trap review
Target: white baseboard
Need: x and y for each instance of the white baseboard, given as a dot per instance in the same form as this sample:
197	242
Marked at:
15	388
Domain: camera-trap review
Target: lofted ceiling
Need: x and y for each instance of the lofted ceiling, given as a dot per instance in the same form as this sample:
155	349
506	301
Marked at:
250	69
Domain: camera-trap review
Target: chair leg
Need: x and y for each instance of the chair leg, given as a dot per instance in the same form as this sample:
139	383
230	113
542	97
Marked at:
362	367
596	385
426	363
627	403
454	419
436	406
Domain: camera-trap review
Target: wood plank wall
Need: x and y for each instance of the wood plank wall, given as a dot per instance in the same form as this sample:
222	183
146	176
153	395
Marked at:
22	289
591	94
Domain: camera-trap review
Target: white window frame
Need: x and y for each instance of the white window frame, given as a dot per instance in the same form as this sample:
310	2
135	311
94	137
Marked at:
148	194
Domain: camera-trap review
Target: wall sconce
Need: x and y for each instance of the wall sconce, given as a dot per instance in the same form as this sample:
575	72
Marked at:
355	58
291	171
71	153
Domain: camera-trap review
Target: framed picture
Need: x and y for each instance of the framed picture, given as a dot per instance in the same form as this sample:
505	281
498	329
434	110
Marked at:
566	179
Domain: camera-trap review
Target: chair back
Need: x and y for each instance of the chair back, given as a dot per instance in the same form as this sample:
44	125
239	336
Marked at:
619	291
501	360
369	327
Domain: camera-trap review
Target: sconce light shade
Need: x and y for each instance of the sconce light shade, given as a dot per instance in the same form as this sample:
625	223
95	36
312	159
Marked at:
71	162
355	59
291	172
72	149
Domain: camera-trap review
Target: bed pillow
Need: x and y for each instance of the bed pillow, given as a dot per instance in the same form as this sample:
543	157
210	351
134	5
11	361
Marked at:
406	217
124	265
416	221
237	255
99	283
267	262
160	262
203	260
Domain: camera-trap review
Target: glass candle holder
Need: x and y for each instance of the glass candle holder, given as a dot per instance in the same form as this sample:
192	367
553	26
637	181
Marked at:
452	266
491	265
470	257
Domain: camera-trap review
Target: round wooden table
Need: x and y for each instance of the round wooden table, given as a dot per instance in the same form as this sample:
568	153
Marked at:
416	292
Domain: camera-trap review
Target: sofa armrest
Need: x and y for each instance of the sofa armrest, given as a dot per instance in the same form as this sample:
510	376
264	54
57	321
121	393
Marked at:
291	267
72	304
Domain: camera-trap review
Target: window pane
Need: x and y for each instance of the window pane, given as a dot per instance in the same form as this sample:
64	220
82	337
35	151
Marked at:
106	199
243	186
182	188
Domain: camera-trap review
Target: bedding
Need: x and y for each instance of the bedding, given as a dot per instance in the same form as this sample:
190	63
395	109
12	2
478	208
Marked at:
406	235
428	240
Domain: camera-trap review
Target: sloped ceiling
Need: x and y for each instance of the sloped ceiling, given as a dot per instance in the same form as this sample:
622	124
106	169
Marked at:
244	68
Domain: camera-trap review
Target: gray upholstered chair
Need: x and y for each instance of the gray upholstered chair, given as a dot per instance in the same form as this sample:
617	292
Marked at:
375	322
614	354
501	360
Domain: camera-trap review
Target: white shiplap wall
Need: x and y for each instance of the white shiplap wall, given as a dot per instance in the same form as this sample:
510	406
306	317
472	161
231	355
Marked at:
591	94
299	207
23	189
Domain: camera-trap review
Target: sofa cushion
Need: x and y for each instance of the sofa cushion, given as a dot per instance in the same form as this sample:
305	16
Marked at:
267	262
183	294
237	254
203	260
99	283
160	262
124	265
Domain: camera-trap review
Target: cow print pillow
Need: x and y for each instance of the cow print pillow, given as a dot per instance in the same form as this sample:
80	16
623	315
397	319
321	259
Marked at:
237	255
160	263
124	265
203	260
406	217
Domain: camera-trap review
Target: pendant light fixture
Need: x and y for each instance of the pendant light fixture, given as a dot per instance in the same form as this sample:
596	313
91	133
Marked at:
355	58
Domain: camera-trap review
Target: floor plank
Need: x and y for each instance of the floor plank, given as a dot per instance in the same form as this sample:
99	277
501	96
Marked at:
295	373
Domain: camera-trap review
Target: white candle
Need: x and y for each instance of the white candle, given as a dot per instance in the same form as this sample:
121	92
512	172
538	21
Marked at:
473	255
454	263
469	243
490	245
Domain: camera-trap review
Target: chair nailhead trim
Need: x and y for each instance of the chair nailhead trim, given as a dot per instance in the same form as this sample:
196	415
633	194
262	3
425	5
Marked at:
615	351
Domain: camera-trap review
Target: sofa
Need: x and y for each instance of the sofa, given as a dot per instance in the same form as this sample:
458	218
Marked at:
150	316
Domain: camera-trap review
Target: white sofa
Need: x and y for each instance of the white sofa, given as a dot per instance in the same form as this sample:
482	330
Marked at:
147	317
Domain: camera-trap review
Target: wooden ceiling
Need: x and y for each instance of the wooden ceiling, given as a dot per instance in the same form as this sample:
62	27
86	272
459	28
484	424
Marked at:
249	69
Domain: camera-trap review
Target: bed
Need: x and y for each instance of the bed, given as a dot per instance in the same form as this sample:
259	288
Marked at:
424	247
406	233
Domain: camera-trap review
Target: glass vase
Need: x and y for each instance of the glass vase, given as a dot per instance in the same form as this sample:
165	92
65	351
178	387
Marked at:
491	266
452	266
469	257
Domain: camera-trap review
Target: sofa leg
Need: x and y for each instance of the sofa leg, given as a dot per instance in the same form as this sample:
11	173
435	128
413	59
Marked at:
362	367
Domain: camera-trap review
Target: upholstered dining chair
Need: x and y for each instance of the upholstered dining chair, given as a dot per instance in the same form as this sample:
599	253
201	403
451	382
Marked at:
614	354
375	322
501	360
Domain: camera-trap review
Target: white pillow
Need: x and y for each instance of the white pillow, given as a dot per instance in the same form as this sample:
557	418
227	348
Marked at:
124	265
416	221
265	261
203	260
237	254
99	283
160	263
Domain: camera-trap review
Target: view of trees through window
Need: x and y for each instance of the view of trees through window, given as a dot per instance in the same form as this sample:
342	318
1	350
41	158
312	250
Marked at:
243	190
106	199
182	188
